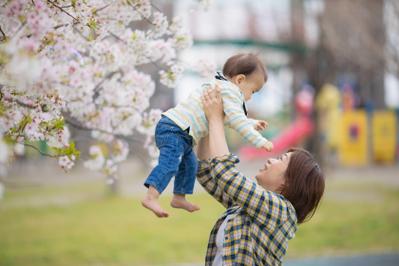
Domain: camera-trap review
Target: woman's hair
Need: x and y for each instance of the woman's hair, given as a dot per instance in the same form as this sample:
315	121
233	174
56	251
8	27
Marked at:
304	184
245	64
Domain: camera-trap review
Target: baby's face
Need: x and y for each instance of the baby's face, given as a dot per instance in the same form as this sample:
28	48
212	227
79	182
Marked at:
250	84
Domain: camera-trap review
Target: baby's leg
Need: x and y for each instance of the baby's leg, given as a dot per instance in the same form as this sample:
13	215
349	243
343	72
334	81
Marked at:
151	202
184	182
171	148
179	201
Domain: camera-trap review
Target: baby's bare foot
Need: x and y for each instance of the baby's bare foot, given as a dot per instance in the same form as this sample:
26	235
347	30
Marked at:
153	205
181	203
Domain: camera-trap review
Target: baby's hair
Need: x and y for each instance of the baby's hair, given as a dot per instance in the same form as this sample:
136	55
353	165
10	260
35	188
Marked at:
245	64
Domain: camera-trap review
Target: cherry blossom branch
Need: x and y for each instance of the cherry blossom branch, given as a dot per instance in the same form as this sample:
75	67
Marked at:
77	125
60	26
75	20
26	105
102	8
80	33
2	33
17	101
141	14
157	8
97	88
41	152
19	29
123	41
117	37
62	10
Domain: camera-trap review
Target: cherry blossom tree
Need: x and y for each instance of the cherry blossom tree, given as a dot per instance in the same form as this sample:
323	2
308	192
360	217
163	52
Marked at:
77	63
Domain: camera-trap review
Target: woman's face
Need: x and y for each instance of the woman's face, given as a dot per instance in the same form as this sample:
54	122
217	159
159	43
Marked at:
271	176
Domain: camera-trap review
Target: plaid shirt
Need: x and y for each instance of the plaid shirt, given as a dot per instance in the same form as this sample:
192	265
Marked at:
265	221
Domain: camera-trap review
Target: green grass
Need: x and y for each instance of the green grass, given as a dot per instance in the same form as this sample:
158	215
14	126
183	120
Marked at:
110	231
352	226
352	218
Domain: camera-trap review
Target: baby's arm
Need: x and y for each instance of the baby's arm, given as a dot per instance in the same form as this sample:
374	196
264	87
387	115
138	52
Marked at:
236	119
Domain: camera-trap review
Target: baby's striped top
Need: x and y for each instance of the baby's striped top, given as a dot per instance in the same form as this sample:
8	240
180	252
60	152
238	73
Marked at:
190	114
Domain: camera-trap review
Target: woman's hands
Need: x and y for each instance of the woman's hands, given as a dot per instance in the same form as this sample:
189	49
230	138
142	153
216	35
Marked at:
213	108
212	103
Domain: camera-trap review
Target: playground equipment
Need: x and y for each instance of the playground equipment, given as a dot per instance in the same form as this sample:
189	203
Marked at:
358	137
353	146
384	136
299	130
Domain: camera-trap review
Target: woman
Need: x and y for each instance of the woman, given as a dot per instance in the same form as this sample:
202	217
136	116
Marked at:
261	216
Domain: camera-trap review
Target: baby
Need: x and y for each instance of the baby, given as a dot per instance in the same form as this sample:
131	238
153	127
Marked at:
181	127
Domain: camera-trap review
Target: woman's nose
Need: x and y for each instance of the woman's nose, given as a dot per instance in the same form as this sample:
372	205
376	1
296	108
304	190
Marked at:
271	160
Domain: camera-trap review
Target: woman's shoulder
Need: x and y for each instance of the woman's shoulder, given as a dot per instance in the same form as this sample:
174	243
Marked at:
287	205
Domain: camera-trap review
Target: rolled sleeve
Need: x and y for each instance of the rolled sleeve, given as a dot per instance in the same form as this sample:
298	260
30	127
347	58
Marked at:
209	183
227	158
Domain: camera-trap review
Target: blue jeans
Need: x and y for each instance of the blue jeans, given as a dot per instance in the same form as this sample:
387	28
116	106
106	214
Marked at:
176	158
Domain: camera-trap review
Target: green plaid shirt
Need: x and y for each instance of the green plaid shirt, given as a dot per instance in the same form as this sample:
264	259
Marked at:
265	221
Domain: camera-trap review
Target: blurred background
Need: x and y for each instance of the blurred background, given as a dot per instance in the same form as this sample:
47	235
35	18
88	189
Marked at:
333	88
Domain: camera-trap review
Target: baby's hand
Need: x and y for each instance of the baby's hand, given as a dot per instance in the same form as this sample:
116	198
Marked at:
261	125
268	146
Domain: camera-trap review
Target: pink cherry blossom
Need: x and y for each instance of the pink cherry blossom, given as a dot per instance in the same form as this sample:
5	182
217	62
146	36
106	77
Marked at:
82	65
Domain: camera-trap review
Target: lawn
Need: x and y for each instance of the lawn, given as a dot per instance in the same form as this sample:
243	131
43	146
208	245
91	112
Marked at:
353	218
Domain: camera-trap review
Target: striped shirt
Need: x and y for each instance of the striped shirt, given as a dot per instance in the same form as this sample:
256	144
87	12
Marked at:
190	114
264	221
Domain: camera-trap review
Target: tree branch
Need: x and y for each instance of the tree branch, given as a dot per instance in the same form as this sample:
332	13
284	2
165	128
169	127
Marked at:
141	14
102	8
117	37
80	33
62	10
77	125
61	25
4	35
42	153
19	102
19	29
154	6
98	86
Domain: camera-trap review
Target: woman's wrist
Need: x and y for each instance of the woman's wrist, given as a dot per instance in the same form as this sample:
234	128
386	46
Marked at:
216	119
217	138
203	149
